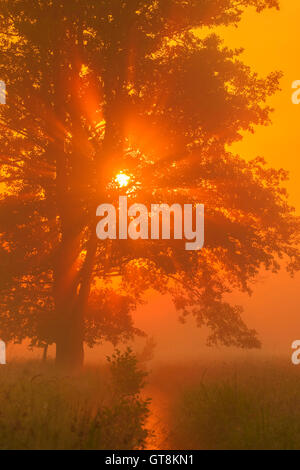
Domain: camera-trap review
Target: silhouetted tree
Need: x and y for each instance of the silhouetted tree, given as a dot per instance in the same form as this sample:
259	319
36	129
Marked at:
97	87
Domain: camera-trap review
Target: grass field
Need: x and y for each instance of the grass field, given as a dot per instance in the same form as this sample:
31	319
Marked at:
249	405
97	409
252	404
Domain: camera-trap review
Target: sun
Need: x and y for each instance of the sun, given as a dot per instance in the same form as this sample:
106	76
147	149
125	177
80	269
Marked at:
122	179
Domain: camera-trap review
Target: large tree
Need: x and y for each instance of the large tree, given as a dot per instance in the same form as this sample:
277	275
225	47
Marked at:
99	87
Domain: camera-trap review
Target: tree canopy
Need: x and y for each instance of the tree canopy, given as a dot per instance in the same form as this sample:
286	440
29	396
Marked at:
100	87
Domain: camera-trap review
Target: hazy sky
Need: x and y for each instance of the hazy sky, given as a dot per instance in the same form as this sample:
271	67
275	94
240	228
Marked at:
271	42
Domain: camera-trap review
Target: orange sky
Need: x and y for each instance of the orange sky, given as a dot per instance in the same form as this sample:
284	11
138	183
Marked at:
271	42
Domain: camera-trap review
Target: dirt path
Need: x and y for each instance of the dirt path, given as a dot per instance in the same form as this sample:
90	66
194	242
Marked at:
167	383
159	420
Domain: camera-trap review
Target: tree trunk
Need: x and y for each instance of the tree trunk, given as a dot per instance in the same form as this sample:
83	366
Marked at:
45	353
69	344
72	288
68	324
69	318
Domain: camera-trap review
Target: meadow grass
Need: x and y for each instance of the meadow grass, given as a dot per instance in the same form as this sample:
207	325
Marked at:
43	409
250	405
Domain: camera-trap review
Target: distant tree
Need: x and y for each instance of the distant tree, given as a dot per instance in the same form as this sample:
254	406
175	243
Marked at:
98	87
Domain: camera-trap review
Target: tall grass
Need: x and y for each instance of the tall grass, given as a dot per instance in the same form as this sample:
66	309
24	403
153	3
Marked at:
254	406
41	409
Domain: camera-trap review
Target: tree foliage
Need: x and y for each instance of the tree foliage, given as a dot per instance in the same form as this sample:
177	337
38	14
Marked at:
99	87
